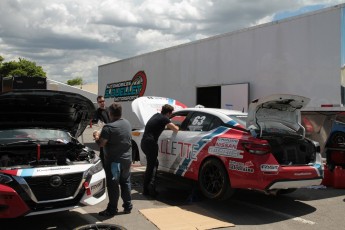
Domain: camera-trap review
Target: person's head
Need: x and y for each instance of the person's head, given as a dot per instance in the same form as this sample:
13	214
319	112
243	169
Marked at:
115	111
167	109
101	102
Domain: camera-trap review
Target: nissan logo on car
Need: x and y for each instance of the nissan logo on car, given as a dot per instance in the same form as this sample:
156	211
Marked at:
55	181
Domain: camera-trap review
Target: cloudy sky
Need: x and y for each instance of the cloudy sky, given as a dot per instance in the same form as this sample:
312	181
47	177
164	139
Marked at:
71	38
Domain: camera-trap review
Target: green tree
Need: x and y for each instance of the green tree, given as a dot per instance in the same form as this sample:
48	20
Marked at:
75	81
22	68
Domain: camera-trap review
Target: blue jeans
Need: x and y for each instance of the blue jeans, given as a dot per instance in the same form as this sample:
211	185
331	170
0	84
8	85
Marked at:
114	184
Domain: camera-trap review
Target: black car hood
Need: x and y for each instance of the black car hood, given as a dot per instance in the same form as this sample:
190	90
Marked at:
45	109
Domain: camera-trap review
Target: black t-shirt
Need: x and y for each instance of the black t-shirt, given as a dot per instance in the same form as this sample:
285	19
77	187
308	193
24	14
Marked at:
155	126
101	115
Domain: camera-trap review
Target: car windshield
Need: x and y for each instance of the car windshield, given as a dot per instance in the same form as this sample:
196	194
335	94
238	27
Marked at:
11	135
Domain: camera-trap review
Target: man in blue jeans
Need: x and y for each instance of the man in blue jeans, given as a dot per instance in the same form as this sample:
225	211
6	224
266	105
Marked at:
115	138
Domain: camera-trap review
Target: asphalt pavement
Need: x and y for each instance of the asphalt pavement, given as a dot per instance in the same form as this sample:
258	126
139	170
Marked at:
135	220
308	208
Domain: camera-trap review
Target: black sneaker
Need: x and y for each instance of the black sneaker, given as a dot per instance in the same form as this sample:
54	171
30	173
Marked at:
127	211
152	191
107	213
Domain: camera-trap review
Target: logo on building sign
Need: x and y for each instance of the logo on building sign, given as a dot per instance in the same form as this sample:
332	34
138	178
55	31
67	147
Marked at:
127	90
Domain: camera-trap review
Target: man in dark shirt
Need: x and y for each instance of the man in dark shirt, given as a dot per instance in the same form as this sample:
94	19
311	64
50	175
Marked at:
116	138
101	114
153	129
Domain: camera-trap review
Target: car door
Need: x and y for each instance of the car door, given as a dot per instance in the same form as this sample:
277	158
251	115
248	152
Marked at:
179	150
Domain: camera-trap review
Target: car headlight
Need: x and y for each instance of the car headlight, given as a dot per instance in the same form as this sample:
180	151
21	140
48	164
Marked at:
4	179
96	168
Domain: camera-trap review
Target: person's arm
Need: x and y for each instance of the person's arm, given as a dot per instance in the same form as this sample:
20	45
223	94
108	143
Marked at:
100	141
173	127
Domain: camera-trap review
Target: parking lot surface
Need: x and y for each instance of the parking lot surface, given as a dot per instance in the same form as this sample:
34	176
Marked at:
308	208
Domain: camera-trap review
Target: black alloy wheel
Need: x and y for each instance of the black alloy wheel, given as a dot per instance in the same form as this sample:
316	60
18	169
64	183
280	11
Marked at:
213	180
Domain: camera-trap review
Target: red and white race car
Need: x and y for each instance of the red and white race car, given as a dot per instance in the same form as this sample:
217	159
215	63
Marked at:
224	150
43	166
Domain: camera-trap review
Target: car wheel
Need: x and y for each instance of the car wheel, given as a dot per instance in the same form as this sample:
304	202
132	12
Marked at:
213	180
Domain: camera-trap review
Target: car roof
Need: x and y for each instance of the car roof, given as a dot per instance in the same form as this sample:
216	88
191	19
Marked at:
221	113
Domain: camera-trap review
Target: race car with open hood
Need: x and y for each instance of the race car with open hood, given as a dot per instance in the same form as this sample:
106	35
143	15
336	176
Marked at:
224	150
44	168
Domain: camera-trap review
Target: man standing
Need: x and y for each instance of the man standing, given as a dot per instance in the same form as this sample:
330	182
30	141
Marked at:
153	129
102	115
116	138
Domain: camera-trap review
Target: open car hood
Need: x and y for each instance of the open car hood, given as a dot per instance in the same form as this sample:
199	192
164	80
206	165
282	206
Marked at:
279	108
45	109
146	107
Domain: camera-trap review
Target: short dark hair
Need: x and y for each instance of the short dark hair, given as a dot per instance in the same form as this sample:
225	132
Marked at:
115	109
167	109
99	97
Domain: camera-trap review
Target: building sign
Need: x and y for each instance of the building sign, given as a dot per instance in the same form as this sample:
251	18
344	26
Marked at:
127	90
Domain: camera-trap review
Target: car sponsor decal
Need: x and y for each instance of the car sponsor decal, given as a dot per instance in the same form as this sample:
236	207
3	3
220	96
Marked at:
197	123
96	187
241	167
197	148
302	174
227	143
183	149
226	147
269	168
233	153
52	170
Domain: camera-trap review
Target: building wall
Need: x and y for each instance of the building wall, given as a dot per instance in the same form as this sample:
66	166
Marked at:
300	55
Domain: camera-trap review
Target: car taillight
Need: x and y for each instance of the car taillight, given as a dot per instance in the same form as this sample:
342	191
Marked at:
254	148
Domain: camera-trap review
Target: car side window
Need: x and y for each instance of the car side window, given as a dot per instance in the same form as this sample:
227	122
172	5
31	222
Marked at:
216	122
179	119
200	122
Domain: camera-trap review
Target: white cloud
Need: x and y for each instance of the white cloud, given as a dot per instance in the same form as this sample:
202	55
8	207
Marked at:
71	38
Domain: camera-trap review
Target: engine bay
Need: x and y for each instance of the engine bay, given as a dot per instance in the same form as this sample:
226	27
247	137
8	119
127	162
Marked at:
51	153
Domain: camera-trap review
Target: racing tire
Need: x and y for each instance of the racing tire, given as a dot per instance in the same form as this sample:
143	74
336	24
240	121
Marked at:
214	181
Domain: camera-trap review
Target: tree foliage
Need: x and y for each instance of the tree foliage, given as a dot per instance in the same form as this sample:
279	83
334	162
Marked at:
22	68
75	81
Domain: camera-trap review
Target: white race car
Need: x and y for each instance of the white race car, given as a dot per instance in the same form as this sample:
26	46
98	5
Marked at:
224	150
43	166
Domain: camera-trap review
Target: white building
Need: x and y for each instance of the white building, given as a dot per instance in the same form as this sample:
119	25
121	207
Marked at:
299	55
